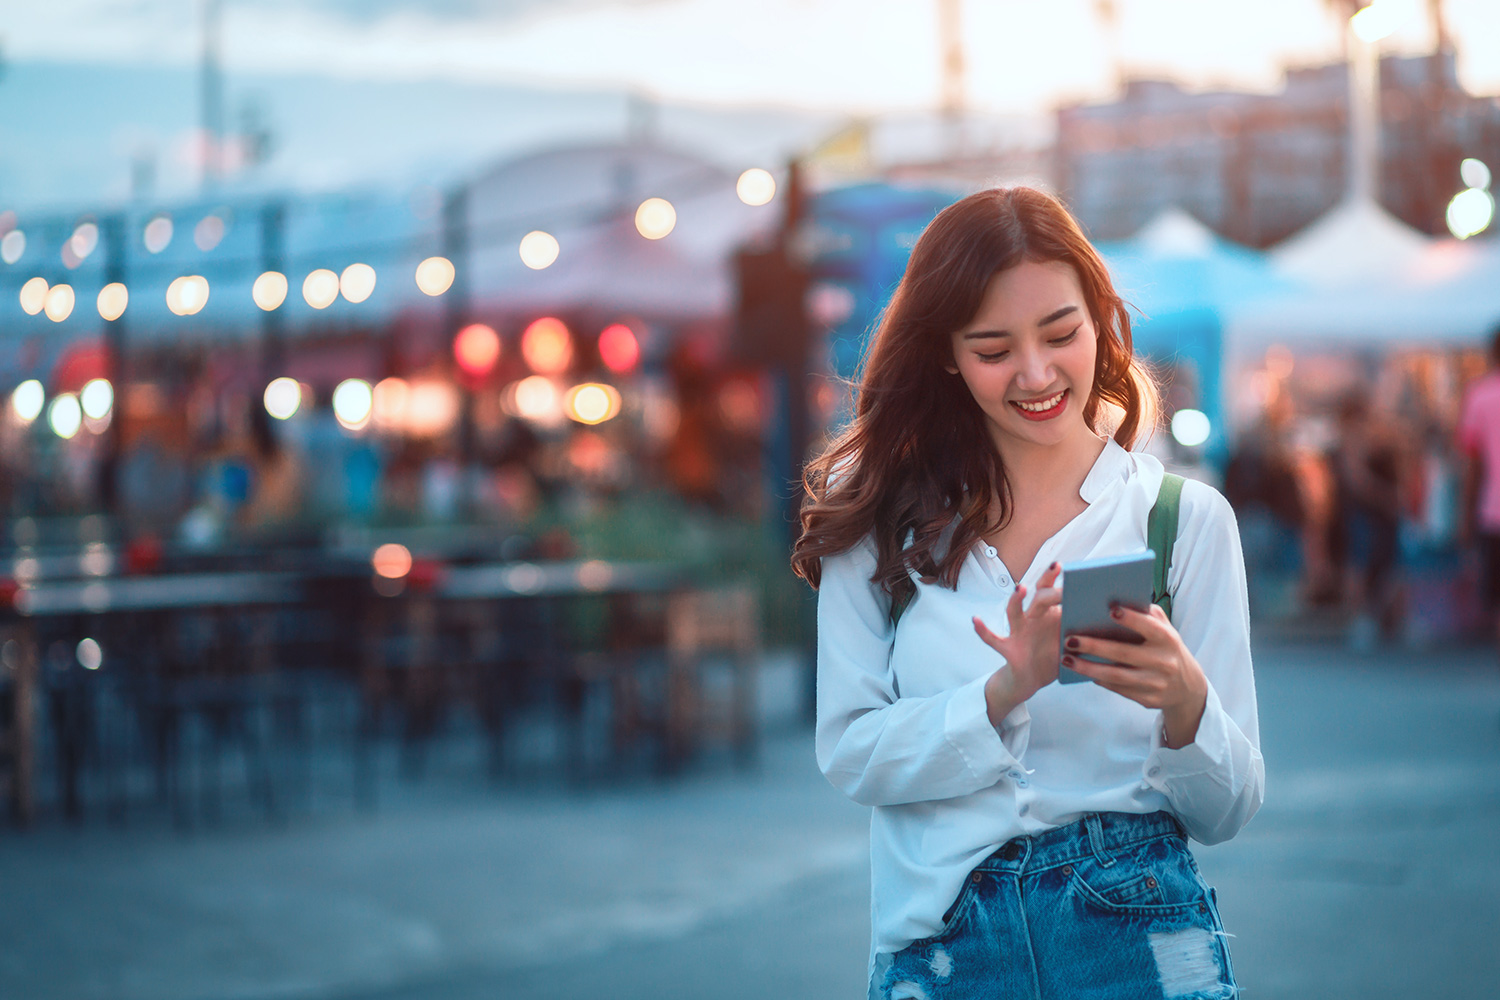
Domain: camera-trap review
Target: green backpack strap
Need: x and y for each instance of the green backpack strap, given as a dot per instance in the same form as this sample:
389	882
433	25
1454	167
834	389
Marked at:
1161	535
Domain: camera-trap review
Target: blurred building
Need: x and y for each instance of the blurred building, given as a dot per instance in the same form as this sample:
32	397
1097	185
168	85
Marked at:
1258	167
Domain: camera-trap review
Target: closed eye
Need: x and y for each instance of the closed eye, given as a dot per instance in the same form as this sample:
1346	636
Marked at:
1065	340
991	358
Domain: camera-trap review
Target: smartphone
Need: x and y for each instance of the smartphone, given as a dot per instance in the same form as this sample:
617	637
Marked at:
1091	587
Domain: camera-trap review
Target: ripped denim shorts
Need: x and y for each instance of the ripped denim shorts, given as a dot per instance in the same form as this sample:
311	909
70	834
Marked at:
1111	906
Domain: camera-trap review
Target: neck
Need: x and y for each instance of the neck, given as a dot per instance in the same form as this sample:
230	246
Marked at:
1033	469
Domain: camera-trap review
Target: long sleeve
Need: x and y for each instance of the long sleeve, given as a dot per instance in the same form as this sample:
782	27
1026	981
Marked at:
876	746
1217	782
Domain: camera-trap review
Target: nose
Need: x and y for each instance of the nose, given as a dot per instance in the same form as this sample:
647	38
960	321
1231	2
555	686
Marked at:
1034	373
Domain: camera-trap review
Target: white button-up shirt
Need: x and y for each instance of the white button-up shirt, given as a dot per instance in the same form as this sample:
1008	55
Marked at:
903	725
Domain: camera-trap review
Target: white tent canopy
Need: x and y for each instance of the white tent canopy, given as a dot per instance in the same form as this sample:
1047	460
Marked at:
1367	280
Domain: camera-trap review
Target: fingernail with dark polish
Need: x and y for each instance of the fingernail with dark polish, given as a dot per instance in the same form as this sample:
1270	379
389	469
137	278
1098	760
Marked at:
1072	643
1116	612
1068	661
1053	566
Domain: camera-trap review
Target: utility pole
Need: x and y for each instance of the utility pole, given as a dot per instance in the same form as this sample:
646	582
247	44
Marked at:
114	228
950	35
272	258
211	94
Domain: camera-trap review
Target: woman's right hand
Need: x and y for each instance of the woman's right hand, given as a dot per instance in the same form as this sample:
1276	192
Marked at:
1030	650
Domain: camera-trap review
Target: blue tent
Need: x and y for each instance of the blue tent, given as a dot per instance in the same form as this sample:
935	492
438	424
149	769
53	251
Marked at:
1180	280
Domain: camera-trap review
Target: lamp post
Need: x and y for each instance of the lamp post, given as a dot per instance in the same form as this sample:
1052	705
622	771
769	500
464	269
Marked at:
1365	30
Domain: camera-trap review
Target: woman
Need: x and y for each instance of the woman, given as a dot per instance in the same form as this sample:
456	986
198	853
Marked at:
1028	839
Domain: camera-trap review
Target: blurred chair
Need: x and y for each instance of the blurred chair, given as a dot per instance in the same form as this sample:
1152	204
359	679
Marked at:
713	653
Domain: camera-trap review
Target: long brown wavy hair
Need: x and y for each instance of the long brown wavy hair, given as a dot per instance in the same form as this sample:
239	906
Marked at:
917	459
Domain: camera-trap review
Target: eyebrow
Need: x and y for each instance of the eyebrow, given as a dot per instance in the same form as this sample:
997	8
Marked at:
1051	317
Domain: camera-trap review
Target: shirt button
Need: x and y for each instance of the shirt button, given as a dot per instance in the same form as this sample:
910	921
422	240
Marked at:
989	550
1153	772
1025	808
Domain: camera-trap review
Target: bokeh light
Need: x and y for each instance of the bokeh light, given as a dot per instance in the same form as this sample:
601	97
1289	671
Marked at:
84	239
592	402
64	415
547	347
476	348
320	288
655	218
27	400
352	402
90	655
435	275
1474	173
12	246
1190	428
187	295
113	298
389	402
1378	20
1470	212
157	235
59	303
539	249
97	397
269	290
391	560
755	186
618	348
357	282
34	295
209	231
536	399
432	409
283	396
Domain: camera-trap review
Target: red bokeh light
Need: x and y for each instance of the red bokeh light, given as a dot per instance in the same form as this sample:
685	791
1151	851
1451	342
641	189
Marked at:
476	349
547	346
618	348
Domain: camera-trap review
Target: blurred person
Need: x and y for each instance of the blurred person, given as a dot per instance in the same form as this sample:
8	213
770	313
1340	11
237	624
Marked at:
1368	472
277	483
1261	484
1028	839
1479	437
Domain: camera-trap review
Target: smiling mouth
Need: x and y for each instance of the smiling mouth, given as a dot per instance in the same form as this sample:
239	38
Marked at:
1042	409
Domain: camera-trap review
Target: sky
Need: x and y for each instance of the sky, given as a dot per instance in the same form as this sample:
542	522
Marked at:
390	88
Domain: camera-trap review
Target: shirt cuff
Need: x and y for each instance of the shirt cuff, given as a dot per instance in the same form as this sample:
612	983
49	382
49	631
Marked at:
1209	749
987	751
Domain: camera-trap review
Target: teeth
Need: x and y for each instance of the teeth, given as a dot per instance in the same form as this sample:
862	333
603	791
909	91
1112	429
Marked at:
1045	404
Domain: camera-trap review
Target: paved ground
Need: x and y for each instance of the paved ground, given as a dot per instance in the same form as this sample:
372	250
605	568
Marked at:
1371	872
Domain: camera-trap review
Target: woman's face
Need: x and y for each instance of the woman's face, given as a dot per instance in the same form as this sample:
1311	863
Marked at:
1027	356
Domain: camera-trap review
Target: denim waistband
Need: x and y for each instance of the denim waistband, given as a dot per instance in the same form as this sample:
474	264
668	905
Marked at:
1096	834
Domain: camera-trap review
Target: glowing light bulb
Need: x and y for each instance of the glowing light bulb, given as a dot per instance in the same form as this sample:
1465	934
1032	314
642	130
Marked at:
12	246
618	348
476	349
27	399
592	402
113	298
59	303
34	296
209	231
1475	173
534	398
435	275
269	290
389	401
158	234
65	416
187	295
282	397
547	346
97	397
84	239
352	403
655	218
357	282
1190	428
1470	212
320	288
391	560
755	186
539	249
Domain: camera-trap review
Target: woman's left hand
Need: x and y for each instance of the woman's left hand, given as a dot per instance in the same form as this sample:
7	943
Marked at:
1159	673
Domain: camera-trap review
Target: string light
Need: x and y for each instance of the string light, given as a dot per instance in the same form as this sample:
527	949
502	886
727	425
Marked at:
755	186
158	234
357	282
12	246
352	403
435	275
187	295
113	298
97	397
65	416
655	218
27	400
283	397
476	348
547	346
59	303
34	295
539	249
269	290
592	402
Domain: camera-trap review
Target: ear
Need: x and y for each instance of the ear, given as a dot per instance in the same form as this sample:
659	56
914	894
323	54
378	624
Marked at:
950	369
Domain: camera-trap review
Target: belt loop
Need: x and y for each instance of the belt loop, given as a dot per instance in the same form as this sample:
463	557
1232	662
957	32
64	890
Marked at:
1095	826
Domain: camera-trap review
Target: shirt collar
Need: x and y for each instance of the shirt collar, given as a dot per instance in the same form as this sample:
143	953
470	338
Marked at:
1113	466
